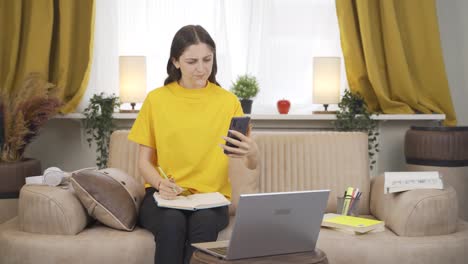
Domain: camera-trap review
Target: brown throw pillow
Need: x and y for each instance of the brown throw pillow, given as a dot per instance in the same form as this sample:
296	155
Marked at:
110	195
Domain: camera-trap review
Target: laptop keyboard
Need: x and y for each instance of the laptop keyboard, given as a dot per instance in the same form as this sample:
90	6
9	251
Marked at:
220	250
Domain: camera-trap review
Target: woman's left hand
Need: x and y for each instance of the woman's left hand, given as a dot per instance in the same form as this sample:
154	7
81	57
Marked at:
246	147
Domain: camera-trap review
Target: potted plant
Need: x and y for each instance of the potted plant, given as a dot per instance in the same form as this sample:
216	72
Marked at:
353	115
99	126
245	88
24	111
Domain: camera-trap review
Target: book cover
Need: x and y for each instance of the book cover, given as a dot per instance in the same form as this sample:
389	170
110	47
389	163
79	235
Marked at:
351	223
193	202
405	181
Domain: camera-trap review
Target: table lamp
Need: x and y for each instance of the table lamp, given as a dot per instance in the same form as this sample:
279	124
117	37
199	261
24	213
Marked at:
326	89
132	72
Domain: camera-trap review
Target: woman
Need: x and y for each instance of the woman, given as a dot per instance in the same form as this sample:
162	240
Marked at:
181	128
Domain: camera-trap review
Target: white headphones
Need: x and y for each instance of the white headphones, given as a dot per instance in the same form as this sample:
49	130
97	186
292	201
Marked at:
54	176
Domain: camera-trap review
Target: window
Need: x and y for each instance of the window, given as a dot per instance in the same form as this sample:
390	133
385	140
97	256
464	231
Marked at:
275	40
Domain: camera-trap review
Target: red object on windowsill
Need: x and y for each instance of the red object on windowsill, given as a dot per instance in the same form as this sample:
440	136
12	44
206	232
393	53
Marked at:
283	106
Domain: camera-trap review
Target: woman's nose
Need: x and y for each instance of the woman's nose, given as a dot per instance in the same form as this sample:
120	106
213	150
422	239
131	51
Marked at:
199	67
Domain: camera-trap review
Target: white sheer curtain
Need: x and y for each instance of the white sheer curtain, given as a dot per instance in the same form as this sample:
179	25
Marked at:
104	76
147	27
275	40
285	36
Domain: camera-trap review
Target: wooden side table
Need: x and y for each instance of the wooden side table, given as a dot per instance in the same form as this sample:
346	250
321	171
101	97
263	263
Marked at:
310	257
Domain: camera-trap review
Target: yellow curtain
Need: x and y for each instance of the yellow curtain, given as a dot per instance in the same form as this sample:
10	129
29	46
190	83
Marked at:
50	37
393	56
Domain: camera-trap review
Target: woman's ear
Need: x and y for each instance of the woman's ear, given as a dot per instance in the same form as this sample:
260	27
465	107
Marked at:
176	63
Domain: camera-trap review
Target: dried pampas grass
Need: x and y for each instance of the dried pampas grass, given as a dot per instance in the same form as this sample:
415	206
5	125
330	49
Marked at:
25	111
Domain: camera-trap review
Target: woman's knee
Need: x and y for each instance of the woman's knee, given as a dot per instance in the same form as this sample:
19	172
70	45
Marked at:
172	219
164	221
209	219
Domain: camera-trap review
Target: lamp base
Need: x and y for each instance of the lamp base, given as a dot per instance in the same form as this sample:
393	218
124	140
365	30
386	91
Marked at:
325	106
129	111
325	112
133	110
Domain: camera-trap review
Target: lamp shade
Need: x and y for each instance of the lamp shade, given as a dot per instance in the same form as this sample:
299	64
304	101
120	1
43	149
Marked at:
132	72
326	88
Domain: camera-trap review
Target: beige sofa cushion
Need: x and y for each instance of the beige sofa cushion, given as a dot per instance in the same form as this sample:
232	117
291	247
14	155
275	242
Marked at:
8	209
110	196
293	161
388	248
243	181
50	210
124	155
417	212
97	244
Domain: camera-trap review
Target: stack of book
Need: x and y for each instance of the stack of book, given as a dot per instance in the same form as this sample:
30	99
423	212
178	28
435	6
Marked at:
351	224
405	181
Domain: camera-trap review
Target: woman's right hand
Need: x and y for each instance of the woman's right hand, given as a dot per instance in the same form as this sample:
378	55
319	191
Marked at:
168	189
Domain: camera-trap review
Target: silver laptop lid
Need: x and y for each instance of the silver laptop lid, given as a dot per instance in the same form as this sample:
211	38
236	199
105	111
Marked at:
277	223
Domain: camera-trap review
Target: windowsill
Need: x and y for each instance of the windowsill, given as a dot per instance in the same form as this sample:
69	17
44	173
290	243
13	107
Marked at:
383	117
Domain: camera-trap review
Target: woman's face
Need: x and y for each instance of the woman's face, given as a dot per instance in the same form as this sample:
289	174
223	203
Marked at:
195	64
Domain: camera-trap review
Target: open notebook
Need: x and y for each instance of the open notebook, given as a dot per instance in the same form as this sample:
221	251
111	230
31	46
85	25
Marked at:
193	202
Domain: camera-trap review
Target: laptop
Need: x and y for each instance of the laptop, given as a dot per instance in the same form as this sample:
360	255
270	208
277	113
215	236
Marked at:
272	224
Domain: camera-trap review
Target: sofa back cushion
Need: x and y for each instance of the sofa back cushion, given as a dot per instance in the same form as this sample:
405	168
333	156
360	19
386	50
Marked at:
293	161
289	161
243	181
123	154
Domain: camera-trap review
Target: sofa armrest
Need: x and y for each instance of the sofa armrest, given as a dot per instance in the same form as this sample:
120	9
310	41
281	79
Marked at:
50	210
415	213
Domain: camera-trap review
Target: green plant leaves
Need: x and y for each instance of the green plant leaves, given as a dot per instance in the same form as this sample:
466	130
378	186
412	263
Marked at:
245	87
353	115
99	126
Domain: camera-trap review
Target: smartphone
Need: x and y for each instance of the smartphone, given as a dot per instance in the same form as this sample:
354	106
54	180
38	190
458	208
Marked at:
240	124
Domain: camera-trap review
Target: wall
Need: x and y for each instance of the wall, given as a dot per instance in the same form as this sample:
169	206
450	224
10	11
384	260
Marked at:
453	23
62	143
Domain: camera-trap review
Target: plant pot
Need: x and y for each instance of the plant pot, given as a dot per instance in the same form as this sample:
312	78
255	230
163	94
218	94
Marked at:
442	149
12	176
246	105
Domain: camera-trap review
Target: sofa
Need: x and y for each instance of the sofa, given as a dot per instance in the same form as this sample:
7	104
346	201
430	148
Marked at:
421	225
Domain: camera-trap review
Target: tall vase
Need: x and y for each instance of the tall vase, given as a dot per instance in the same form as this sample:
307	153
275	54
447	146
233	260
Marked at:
12	176
246	105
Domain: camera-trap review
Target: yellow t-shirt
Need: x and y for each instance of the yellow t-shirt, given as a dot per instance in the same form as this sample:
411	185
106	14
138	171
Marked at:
185	127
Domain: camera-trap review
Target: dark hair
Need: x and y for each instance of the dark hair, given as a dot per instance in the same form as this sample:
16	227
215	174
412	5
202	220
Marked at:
186	36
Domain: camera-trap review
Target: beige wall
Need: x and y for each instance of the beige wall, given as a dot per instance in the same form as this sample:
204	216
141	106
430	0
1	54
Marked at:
62	143
453	24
